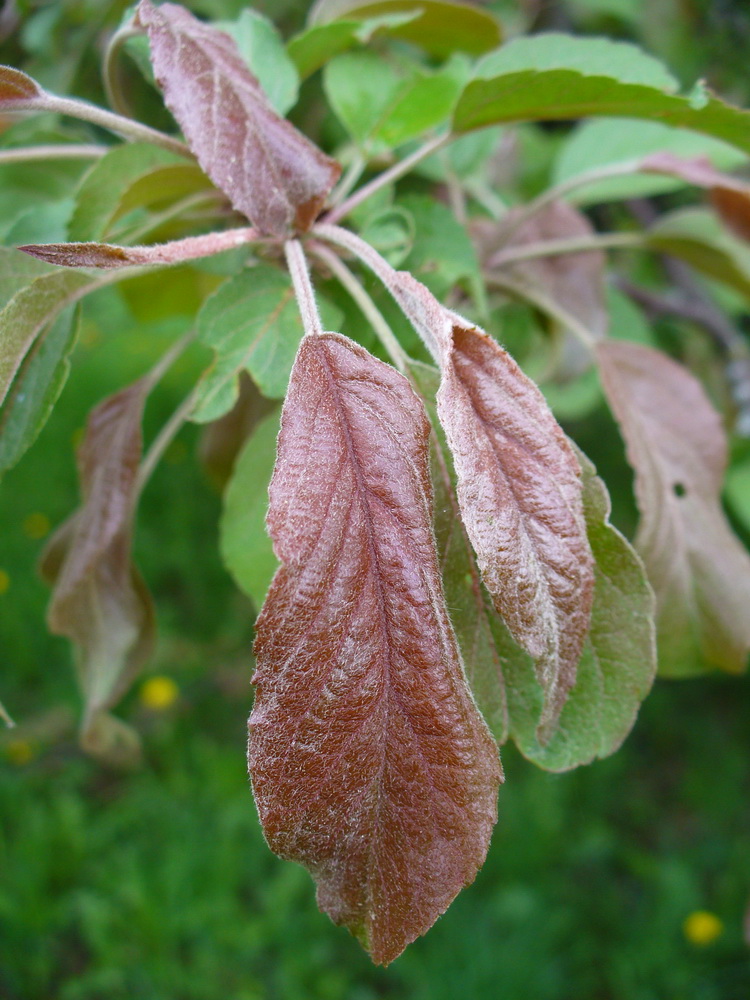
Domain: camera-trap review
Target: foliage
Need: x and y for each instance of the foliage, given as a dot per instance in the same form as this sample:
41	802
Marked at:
448	576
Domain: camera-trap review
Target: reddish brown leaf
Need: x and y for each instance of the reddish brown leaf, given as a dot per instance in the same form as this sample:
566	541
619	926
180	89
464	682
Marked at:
729	195
269	170
99	600
519	482
698	569
519	487
108	256
16	87
370	762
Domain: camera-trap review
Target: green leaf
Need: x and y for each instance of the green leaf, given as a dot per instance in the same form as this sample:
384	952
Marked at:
553	76
441	28
263	50
106	190
596	144
245	544
618	663
252	322
36	389
313	48
31	310
442	255
16	270
696	236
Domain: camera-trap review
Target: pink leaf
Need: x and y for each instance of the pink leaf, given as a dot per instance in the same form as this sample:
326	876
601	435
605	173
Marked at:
269	170
16	88
699	571
370	762
109	256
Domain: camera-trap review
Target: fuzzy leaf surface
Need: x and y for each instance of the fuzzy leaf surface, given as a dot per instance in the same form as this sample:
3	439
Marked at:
269	170
699	570
252	322
519	488
370	762
29	312
16	87
618	661
99	600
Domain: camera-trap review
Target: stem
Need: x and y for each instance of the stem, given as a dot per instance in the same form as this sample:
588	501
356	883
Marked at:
167	433
26	154
303	289
370	311
521	290
111	73
126	127
391	174
559	191
350	178
163	439
6	718
551	248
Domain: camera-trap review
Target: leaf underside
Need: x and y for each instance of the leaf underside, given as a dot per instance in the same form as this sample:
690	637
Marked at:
270	171
699	570
370	762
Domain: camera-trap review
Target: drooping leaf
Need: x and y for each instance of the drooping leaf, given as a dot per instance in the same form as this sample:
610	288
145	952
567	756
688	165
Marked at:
443	26
262	48
370	762
554	76
699	570
100	198
470	608
245	545
269	170
607	142
618	661
36	388
519	489
253	323
575	281
109	256
519	486
99	600
29	312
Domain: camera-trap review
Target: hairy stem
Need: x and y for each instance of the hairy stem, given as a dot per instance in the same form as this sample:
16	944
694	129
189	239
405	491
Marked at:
5	717
131	130
536	297
387	177
303	289
63	151
551	248
369	310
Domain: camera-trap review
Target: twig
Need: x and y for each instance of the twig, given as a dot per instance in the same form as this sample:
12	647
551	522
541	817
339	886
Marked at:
303	289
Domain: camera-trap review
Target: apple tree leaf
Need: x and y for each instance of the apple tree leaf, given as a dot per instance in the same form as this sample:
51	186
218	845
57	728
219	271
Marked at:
699	570
370	762
270	171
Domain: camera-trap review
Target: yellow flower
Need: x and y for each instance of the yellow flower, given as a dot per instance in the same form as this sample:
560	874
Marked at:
19	752
4	581
702	928
36	526
159	693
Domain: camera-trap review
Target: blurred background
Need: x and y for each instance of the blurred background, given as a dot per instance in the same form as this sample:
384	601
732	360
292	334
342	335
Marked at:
625	880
